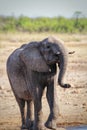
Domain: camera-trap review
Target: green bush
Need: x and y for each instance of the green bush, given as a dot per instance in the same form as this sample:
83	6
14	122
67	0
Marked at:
43	24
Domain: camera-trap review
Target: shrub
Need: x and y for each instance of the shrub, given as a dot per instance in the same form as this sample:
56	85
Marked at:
43	24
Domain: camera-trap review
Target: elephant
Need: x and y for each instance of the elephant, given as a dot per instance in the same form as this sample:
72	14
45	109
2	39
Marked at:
32	68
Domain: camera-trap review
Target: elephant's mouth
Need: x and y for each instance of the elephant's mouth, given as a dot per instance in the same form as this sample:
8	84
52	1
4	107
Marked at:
53	61
53	69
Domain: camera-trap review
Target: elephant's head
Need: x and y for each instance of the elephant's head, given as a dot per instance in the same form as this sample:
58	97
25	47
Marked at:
39	56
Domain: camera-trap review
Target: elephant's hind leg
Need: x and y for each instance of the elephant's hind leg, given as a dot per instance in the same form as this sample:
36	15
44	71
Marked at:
21	104
29	116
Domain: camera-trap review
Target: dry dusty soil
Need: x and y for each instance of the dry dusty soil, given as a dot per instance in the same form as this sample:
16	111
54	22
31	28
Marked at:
72	102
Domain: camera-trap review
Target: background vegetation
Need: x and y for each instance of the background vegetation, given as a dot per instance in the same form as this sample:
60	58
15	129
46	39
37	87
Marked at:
43	24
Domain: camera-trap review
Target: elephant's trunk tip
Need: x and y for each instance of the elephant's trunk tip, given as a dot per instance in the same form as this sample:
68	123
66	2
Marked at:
64	85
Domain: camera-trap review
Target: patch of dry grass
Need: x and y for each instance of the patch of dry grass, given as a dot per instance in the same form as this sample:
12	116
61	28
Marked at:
72	103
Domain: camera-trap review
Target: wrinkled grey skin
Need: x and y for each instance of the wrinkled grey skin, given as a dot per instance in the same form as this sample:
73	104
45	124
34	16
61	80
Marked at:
30	69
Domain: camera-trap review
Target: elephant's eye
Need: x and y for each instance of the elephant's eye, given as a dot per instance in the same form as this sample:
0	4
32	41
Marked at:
48	46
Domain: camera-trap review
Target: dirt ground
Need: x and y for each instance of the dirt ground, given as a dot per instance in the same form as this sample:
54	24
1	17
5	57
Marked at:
72	102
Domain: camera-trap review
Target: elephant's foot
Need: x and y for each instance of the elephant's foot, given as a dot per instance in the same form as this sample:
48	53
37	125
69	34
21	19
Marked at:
28	125
39	127
24	127
51	124
42	128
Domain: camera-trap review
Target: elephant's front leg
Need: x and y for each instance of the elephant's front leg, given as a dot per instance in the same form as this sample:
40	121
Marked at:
52	101
38	115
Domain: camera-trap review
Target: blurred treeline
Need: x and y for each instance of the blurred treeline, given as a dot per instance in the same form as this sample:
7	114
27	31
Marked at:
43	24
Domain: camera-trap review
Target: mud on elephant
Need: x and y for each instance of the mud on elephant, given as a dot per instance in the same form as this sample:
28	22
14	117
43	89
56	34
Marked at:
30	69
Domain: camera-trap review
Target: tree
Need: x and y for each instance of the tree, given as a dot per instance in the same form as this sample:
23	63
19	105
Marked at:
77	15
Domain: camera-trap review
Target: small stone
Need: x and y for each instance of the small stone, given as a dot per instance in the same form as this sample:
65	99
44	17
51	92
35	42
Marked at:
75	104
84	104
0	87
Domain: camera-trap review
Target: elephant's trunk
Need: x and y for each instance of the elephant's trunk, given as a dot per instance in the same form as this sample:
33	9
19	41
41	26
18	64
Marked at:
62	69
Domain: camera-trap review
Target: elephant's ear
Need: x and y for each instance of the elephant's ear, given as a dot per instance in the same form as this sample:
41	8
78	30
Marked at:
33	59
